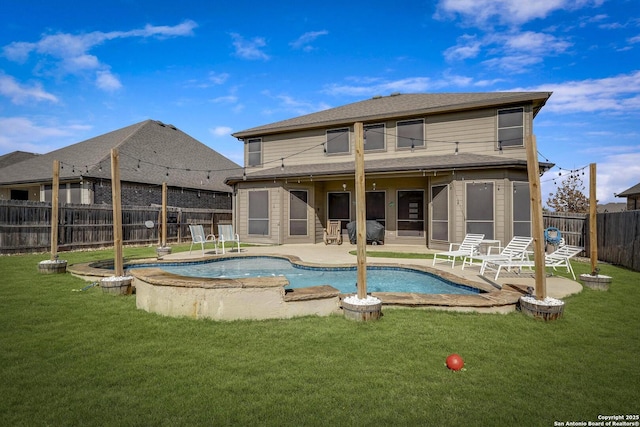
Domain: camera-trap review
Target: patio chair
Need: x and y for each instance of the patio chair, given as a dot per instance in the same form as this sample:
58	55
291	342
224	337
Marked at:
469	247
558	258
333	232
515	250
198	236
561	258
226	234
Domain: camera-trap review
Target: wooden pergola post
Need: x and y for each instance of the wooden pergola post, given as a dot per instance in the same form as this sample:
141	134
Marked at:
55	194
361	211
593	202
537	225
164	215
117	213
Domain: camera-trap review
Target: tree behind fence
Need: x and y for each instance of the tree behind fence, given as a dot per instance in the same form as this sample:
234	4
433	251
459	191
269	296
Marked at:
26	226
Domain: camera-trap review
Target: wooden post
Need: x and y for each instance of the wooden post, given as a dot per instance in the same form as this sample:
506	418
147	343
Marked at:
117	213
537	225
164	214
361	211
593	204
55	194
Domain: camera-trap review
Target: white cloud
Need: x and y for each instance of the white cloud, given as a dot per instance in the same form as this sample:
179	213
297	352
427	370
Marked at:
410	84
304	41
221	131
249	49
610	180
228	99
375	86
619	93
20	94
21	133
107	81
218	78
468	47
481	13
511	51
71	51
290	104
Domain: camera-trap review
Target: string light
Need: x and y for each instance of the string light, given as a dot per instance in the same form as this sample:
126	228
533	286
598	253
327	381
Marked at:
456	152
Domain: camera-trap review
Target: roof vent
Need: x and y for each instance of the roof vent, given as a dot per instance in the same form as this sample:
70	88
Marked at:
377	97
395	94
172	127
160	123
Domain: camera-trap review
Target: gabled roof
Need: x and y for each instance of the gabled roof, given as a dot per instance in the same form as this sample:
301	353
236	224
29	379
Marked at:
14	157
148	151
427	164
398	106
630	191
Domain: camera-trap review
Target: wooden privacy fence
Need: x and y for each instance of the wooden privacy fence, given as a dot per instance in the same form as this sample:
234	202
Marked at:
618	235
573	227
619	238
26	226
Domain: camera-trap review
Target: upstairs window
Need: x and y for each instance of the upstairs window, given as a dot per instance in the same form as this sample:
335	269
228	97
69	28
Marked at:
337	141
254	149
511	128
374	137
410	134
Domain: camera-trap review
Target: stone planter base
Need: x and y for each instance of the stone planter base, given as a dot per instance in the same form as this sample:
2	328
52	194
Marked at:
52	267
540	310
599	282
117	285
162	251
371	310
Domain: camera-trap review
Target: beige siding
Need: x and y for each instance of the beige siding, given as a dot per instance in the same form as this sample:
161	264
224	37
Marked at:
474	130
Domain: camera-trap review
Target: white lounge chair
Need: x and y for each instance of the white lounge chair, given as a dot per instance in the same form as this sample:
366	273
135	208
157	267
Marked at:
198	236
226	234
470	246
516	250
558	258
561	258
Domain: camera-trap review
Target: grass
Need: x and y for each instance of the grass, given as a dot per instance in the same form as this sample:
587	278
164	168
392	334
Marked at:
69	357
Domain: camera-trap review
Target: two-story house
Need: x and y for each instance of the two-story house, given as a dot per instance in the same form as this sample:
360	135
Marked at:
437	166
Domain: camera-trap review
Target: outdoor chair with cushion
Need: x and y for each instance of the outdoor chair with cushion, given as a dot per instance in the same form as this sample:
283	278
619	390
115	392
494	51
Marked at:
470	246
198	236
226	234
515	250
333	232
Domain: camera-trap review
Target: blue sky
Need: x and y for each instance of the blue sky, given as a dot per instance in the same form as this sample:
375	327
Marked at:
73	70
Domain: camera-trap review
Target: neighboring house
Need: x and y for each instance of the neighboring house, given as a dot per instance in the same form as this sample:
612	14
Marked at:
611	207
437	166
633	197
150	153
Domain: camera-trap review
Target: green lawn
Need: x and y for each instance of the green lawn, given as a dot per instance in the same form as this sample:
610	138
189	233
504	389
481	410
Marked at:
70	357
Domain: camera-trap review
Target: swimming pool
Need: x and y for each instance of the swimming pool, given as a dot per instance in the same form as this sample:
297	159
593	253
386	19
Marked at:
379	278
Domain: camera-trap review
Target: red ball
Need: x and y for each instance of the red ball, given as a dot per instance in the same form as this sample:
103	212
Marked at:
455	362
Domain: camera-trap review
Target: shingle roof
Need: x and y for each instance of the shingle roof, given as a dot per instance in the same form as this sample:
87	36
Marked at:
427	164
396	106
630	191
147	151
14	157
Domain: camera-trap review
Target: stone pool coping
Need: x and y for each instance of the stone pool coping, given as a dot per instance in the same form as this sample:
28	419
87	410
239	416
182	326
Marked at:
492	300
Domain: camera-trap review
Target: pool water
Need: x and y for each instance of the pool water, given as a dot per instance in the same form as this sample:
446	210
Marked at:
379	279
